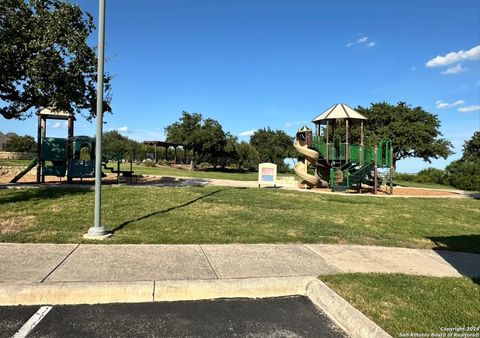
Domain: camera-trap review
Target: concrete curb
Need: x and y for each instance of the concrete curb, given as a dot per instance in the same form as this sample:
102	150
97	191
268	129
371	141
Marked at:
230	288
352	321
76	293
355	323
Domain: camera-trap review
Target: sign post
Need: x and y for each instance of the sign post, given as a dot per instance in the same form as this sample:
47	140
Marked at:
267	174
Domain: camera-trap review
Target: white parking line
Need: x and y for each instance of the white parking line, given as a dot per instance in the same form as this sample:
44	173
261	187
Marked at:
32	322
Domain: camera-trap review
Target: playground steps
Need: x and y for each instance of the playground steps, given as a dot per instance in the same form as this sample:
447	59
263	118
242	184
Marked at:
124	173
361	175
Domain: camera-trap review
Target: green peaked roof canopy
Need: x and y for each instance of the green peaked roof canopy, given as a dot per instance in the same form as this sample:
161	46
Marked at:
339	111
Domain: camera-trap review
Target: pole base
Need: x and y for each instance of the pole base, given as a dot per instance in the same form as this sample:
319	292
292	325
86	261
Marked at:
98	233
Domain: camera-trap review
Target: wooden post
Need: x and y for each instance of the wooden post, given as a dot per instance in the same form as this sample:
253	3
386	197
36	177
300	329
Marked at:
155	150
326	142
346	141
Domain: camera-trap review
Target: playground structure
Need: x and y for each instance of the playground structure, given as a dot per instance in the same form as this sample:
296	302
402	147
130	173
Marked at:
73	157
340	165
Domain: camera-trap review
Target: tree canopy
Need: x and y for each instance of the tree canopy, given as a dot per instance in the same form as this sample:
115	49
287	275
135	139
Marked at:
21	144
414	132
116	145
273	146
45	60
204	137
471	149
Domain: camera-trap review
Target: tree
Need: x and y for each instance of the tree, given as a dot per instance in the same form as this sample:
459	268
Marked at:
115	144
20	144
186	132
465	172
45	60
205	138
464	175
413	131
212	140
248	156
230	151
273	146
471	149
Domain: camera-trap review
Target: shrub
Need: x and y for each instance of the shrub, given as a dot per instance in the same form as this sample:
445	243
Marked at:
464	175
204	165
430	175
148	163
404	177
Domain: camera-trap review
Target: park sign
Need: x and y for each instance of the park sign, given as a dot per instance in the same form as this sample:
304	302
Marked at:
267	174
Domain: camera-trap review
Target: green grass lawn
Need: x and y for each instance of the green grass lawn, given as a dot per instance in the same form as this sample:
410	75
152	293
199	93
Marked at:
170	171
235	215
411	304
424	185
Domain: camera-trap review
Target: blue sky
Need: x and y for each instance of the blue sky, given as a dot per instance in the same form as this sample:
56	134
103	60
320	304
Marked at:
252	64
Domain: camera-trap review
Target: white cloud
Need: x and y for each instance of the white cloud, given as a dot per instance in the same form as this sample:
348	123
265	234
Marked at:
58	125
442	105
454	57
454	70
413	68
362	40
122	129
294	123
469	109
247	133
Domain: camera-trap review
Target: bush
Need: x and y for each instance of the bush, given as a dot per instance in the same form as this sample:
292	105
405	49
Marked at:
430	175
148	163
204	165
464	175
404	177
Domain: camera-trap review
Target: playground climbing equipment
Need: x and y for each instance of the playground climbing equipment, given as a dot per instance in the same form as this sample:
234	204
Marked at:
330	160
72	157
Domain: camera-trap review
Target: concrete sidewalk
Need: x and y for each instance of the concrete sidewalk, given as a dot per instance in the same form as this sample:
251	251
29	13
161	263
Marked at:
53	263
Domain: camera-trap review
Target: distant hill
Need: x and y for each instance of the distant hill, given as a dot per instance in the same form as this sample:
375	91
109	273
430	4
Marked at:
4	138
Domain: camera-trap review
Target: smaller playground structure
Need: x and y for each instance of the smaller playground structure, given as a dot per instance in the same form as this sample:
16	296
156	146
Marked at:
332	161
71	157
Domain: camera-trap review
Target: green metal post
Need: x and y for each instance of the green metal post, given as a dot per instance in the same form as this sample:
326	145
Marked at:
332	179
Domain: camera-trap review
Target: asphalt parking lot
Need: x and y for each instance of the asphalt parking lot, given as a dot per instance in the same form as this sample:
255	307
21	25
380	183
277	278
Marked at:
273	317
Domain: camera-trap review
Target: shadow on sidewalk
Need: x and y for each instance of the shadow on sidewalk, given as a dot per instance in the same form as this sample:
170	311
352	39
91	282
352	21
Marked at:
466	262
124	224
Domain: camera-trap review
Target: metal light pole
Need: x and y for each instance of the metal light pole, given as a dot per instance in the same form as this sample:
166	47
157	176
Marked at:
98	231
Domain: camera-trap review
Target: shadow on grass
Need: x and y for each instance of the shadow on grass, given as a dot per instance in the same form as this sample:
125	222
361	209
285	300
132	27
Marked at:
465	243
164	211
464	262
25	195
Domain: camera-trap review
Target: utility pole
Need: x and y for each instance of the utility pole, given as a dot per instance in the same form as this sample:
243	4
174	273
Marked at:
98	231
